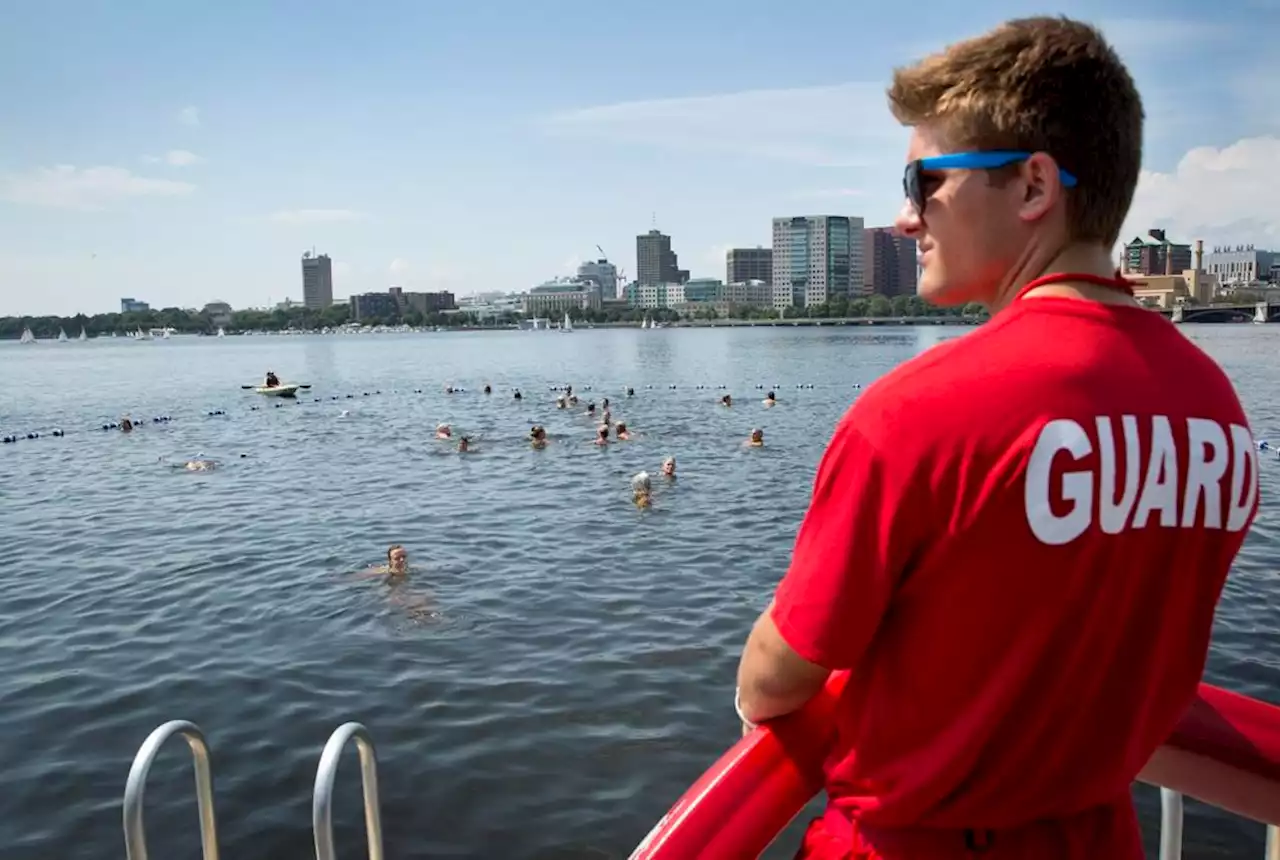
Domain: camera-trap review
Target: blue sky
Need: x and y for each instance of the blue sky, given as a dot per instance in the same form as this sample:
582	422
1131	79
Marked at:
182	154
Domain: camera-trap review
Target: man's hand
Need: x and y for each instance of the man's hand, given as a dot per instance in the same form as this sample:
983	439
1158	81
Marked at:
772	678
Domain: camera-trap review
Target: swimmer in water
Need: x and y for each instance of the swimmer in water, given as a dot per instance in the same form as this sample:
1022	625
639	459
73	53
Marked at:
448	389
397	565
126	425
770	399
756	440
605	404
607	418
641	490
631	392
602	434
669	468
537	436
464	445
200	465
573	400
620	430
560	402
518	395
591	409
487	389
726	400
443	431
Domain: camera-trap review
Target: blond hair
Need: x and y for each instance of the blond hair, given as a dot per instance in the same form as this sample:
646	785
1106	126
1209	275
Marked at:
1049	85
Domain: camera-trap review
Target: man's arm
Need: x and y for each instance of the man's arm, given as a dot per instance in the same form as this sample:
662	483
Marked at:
772	678
850	553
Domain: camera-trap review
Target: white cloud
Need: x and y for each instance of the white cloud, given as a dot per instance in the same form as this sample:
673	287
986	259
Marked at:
1222	195
316	216
68	187
189	116
174	158
842	125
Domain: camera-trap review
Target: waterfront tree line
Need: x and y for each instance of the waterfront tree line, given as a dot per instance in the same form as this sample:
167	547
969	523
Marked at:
305	319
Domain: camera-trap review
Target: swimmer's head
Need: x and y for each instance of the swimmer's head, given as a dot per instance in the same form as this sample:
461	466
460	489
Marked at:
770	396
669	467
727	400
560	402
591	408
620	428
602	432
464	443
397	558
641	487
757	436
537	433
443	431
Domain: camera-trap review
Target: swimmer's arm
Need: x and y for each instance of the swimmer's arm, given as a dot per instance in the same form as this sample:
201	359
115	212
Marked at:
374	572
772	678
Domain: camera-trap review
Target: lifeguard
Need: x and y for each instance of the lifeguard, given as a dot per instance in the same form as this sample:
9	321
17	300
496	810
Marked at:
1016	540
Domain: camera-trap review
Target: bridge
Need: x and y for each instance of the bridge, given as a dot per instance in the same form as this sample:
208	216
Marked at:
1261	312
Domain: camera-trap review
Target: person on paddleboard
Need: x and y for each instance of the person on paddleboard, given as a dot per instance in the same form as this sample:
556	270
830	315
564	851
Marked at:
1017	539
273	381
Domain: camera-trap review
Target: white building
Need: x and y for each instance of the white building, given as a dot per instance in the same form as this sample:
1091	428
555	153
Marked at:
1240	265
816	258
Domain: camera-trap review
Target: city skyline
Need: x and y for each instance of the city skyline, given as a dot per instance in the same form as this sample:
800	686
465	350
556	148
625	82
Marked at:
142	160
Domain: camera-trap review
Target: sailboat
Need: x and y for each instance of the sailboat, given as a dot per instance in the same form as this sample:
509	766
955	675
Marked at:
83	335
221	333
164	335
62	335
567	325
142	335
27	336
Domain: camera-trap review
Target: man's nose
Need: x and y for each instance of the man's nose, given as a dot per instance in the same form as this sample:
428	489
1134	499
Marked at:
908	222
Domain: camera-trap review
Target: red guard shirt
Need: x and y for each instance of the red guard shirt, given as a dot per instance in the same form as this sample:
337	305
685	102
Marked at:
1016	542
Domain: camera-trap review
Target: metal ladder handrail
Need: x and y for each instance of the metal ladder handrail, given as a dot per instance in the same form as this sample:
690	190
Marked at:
1171	812
322	798
135	836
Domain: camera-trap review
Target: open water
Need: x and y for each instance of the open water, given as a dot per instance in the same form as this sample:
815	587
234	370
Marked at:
559	666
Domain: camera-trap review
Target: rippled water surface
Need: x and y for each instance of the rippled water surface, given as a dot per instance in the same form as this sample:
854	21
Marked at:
559	666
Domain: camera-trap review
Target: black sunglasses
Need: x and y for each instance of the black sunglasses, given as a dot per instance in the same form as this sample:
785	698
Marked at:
912	175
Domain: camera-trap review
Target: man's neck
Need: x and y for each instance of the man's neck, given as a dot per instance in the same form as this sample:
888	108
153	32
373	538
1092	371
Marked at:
1082	259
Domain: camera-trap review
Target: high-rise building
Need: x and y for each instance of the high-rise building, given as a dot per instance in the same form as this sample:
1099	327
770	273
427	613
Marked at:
1154	254
656	263
889	263
748	264
131	306
317	281
816	258
603	273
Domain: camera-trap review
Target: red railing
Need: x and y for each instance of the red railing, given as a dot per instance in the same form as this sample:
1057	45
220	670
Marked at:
1225	752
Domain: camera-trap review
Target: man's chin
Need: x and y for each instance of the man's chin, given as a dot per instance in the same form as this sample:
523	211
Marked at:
940	295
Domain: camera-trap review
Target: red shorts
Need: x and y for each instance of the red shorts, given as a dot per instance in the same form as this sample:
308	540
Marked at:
1103	833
